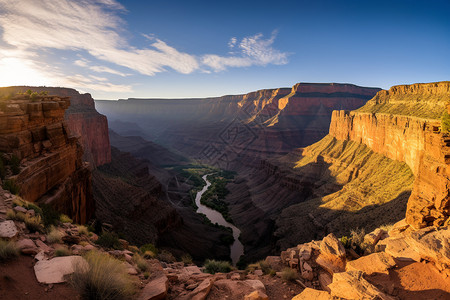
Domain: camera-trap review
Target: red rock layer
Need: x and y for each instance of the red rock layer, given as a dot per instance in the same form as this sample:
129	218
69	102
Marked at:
416	141
83	121
51	167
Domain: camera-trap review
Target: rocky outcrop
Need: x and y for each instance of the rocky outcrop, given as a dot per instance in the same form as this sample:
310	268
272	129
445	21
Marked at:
51	168
403	124
83	121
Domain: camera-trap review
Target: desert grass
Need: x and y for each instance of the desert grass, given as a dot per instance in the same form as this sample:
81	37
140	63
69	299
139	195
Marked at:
105	278
8	250
288	274
54	235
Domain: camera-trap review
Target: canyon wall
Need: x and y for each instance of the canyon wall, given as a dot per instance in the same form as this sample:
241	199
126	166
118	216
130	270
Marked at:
274	121
83	121
403	124
51	167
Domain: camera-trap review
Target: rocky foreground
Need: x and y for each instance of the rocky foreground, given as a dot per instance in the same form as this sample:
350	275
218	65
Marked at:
399	264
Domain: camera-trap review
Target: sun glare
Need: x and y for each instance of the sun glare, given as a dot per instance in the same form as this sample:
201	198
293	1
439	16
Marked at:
14	71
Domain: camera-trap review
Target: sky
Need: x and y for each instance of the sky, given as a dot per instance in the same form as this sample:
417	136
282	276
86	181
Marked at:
178	49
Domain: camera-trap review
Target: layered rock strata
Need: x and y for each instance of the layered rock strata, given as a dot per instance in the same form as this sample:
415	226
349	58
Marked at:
83	121
390	125
51	168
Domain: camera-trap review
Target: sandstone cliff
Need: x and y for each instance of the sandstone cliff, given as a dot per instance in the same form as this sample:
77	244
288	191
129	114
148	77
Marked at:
83	121
51	168
403	124
366	166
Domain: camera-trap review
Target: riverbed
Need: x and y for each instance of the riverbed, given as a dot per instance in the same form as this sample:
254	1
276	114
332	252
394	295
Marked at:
236	249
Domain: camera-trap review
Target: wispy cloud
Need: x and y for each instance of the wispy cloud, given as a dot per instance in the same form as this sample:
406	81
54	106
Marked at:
254	50
95	28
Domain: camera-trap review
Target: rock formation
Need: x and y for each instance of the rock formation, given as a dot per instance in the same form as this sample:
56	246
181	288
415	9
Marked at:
51	169
403	124
83	121
268	121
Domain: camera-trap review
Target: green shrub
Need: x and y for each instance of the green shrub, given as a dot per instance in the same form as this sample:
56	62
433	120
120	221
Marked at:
62	251
34	223
345	241
140	262
288	274
213	266
10	214
82	230
10	185
105	278
149	247
109	240
20	216
65	219
54	235
166	256
445	122
186	259
50	215
8	250
146	275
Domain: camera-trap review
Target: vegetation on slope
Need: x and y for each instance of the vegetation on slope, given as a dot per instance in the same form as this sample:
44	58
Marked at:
357	188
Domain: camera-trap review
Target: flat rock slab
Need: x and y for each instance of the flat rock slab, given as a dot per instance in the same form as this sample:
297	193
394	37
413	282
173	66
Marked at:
311	294
8	229
54	270
379	262
156	289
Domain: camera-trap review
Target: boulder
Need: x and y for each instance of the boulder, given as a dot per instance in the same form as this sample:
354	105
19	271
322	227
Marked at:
275	262
8	229
379	262
20	209
373	237
432	244
201	291
27	246
400	249
311	294
54	270
352	285
398	228
256	295
43	246
332	255
325	279
156	289
305	251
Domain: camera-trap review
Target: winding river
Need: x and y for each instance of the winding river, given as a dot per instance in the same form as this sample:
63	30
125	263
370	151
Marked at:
236	249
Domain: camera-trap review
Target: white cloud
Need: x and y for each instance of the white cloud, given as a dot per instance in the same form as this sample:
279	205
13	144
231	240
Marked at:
255	50
95	27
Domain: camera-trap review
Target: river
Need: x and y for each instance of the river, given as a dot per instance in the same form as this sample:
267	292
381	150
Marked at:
236	249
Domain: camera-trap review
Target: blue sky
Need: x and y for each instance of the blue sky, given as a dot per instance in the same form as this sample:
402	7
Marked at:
119	49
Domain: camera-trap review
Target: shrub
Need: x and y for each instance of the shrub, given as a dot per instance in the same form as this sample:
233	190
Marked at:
62	251
133	249
20	216
10	185
50	215
345	241
104	278
149	247
149	254
213	266
166	256
146	275
445	122
54	236
10	214
8	250
65	219
186	259
82	230
141	263
109	240
288	274
34	223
